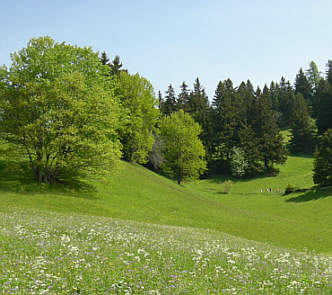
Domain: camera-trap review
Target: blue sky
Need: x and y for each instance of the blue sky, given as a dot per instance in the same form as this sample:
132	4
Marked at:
174	41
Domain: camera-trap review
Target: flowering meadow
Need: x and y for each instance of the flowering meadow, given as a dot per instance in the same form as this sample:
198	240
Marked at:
48	253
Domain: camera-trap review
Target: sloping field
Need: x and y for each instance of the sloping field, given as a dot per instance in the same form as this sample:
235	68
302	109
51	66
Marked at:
49	253
300	221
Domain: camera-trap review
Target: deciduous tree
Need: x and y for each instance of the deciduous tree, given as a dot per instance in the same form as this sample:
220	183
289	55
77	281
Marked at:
58	103
183	152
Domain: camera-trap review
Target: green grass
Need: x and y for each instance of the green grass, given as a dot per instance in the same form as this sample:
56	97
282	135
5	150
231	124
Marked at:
298	221
48	253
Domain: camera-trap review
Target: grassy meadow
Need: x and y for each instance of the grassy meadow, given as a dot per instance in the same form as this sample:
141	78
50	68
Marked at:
140	233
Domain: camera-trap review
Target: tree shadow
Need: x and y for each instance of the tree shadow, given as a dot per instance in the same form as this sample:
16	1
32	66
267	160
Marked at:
16	177
312	195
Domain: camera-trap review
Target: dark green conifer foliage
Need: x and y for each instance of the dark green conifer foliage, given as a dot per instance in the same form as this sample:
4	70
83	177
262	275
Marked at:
104	59
183	97
198	107
323	160
329	72
266	130
323	106
313	76
228	118
303	86
285	99
116	66
169	103
302	127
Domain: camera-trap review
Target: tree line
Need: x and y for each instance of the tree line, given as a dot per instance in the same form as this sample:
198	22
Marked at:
241	125
67	110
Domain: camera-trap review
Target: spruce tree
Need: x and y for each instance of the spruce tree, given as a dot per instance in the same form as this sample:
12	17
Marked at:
116	66
323	106
303	86
329	72
169	103
266	130
183	97
104	59
323	160
302	127
313	76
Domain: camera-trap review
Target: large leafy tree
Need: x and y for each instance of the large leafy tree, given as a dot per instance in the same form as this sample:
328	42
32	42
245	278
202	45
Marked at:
57	103
323	160
140	105
183	151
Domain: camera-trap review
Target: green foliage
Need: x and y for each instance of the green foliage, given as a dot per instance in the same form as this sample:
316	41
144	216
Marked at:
239	163
140	105
323	106
323	160
59	106
184	153
313	76
303	128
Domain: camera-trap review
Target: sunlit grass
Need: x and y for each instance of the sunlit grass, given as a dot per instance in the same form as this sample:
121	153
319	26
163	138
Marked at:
47	253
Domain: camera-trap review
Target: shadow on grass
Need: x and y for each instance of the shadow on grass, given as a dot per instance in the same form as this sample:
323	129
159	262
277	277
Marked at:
17	178
312	195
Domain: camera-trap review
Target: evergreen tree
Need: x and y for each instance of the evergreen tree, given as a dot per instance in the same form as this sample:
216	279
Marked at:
104	59
183	98
228	117
116	66
302	127
198	108
303	86
313	76
169	103
323	106
285	100
323	160
266	130
329	72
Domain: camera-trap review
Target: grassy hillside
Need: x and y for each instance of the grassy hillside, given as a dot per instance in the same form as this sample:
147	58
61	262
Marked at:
298	221
48	253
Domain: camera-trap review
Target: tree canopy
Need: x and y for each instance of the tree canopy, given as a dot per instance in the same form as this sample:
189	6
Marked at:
183	151
58	104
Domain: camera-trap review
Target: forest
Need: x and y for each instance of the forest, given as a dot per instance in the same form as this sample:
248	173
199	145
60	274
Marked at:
66	110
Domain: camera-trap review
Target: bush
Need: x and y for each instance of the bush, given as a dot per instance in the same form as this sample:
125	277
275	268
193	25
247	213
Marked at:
227	186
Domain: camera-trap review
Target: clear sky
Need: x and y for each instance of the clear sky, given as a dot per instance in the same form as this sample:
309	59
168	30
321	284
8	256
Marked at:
174	41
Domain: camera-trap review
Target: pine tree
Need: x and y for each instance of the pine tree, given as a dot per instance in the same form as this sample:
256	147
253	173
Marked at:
313	76
199	109
329	72
303	86
183	97
323	106
169	103
302	127
116	66
104	59
285	94
266	130
228	117
323	160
